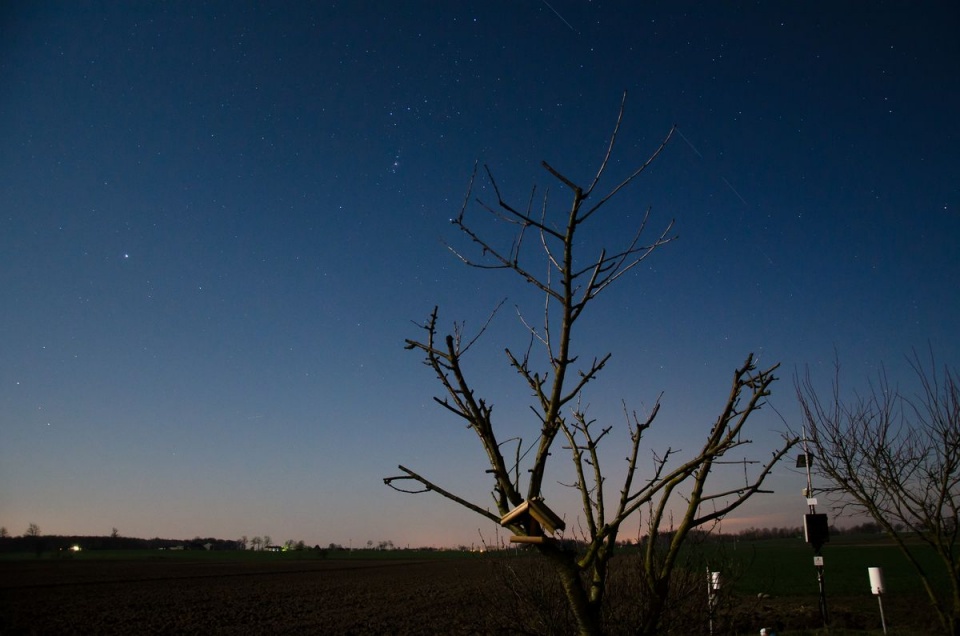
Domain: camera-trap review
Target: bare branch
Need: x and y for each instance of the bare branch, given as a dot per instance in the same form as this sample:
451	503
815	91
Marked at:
636	173
613	139
524	218
428	486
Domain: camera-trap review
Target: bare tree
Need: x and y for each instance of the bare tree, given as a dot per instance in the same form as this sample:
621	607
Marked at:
114	533
267	541
552	371
242	542
256	542
33	530
3	532
896	458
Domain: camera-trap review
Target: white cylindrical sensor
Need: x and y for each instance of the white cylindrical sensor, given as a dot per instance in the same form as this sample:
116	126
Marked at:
714	580
876	580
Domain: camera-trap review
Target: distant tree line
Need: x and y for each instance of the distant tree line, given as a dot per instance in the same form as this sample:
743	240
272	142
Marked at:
54	543
759	534
762	534
33	541
867	527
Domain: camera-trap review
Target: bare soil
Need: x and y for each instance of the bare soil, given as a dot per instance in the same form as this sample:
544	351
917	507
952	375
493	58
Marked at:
308	597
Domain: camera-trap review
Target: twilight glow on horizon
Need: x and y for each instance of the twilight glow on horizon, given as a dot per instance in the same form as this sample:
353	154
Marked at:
218	224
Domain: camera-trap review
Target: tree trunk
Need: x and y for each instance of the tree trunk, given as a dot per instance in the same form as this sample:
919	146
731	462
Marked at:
585	613
650	622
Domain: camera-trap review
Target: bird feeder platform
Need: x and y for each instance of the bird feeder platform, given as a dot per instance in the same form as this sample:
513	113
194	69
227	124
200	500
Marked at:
535	518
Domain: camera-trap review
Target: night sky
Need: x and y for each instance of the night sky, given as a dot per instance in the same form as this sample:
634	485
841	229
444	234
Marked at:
219	222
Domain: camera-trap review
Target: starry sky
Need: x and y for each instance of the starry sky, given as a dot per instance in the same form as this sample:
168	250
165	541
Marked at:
219	221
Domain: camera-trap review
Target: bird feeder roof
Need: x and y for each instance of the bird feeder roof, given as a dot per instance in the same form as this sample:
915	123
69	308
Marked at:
538	511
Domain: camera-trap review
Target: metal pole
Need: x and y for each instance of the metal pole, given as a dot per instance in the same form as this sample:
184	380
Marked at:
823	596
883	621
817	559
710	599
876	586
808	461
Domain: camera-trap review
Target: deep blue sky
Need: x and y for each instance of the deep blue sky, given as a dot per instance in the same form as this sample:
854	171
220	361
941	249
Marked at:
217	223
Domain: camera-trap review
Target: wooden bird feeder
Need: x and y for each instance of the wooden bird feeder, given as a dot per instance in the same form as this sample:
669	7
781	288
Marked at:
535	518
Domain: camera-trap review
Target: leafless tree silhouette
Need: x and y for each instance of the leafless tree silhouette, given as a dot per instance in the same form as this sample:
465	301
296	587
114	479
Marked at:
896	458
568	284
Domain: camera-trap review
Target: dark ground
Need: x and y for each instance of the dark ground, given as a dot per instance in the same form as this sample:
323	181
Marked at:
438	596
310	597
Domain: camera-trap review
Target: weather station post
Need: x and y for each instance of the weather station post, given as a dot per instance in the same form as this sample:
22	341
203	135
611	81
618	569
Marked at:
713	588
877	589
816	528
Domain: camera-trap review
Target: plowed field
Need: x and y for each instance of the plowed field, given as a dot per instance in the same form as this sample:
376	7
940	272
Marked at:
309	597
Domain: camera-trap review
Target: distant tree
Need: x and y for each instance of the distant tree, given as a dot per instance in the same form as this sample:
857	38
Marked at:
370	544
114	533
3	532
868	527
299	545
34	539
896	458
755	534
267	541
556	255
242	543
257	543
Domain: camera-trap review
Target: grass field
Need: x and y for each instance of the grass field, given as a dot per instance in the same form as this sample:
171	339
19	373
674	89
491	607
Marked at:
785	567
784	570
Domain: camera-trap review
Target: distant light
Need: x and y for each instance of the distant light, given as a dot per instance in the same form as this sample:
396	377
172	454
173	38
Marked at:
75	548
